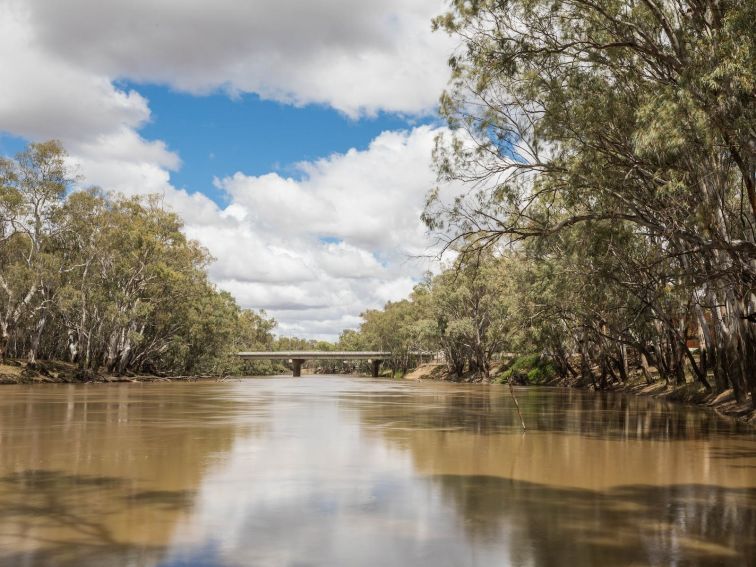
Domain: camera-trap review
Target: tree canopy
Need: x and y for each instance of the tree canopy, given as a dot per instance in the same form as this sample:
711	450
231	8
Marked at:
108	282
609	147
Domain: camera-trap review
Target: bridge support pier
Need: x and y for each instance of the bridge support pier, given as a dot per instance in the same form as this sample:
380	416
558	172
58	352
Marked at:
296	367
376	367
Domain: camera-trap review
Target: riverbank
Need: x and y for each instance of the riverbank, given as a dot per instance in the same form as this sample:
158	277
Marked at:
59	372
20	372
691	393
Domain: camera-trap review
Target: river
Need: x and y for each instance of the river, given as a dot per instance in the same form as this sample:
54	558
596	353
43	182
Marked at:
357	472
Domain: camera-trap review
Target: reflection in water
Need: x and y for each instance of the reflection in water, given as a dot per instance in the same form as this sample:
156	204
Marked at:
627	525
340	471
54	518
101	474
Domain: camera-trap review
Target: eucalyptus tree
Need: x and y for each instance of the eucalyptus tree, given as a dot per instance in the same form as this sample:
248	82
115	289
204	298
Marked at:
32	188
471	314
637	114
460	312
394	329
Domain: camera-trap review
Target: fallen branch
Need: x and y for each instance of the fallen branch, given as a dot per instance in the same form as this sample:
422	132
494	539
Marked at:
517	405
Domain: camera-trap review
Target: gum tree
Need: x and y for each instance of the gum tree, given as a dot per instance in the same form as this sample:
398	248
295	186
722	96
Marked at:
632	114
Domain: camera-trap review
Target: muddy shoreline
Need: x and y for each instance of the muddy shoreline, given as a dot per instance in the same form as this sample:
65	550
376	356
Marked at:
691	394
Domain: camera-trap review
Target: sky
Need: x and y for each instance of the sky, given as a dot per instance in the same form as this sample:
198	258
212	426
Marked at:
294	138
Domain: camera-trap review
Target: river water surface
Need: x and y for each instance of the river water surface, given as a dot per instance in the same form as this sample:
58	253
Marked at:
352	471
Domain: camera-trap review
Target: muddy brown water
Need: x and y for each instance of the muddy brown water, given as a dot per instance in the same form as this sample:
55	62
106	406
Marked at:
353	471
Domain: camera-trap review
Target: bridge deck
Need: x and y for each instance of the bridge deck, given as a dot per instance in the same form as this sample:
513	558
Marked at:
315	355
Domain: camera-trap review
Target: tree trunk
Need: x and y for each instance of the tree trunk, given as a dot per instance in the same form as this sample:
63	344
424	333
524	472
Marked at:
3	347
644	367
34	341
623	364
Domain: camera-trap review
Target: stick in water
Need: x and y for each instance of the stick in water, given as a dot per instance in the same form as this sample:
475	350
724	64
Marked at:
511	391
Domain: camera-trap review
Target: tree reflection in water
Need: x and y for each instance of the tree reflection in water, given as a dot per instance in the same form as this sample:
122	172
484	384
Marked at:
101	475
545	525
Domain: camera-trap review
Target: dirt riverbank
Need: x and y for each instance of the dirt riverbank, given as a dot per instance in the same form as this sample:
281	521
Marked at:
691	393
58	372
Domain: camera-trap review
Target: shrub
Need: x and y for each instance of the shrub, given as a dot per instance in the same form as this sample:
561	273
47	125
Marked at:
528	369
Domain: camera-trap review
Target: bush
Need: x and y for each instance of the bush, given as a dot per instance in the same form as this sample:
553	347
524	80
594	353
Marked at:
528	369
542	373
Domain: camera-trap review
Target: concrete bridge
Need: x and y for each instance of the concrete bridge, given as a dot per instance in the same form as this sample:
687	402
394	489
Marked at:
297	358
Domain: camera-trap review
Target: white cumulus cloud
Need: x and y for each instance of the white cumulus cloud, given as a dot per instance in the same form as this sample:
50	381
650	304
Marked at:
356	57
315	250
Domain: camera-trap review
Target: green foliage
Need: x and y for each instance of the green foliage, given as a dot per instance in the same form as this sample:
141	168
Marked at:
608	148
530	369
460	313
541	374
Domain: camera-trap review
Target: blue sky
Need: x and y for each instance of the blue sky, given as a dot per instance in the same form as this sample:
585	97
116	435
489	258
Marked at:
10	145
294	139
217	135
